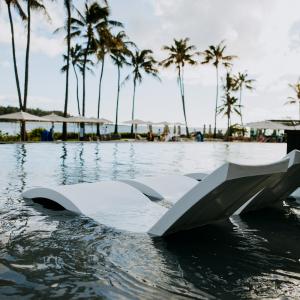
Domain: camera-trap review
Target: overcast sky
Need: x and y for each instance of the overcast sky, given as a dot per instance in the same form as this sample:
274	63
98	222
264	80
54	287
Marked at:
265	34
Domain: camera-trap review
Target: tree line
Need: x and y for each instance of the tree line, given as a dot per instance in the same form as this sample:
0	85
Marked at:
92	37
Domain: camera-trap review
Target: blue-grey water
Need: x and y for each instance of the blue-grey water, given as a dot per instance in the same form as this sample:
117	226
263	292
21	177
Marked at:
48	254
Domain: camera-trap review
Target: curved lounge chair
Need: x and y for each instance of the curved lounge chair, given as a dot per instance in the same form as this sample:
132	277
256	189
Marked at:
121	205
279	189
218	196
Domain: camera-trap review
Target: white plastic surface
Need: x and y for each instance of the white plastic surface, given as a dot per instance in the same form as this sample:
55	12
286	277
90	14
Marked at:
111	203
278	189
169	187
217	197
120	205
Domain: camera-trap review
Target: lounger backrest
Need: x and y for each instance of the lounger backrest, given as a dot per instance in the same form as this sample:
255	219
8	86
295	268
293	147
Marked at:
217	197
280	189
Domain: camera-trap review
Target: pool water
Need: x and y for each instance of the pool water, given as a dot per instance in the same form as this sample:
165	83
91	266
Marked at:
56	254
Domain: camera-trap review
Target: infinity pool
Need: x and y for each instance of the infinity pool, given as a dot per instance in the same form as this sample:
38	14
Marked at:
46	254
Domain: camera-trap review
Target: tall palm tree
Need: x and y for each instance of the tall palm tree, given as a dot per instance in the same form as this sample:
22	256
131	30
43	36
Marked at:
16	5
230	103
141	62
36	5
104	44
76	58
243	81
119	54
216	56
68	4
296	99
86	25
180	54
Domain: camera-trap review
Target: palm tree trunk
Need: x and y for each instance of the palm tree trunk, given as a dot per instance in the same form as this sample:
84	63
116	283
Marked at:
77	90
82	125
216	107
217	98
117	107
23	125
99	96
27	55
181	83
14	55
241	88
64	136
133	104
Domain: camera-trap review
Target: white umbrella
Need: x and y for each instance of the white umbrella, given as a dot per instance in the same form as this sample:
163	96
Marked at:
23	116
270	125
165	123
135	122
55	118
179	124
106	121
79	119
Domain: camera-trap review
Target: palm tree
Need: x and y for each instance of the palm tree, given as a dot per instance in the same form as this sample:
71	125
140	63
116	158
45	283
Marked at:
103	44
180	54
76	57
215	55
230	103
68	4
38	6
296	99
17	6
94	17
119	54
141	62
242	81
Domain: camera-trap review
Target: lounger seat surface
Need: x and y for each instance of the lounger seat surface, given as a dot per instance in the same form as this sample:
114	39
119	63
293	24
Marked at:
169	187
111	203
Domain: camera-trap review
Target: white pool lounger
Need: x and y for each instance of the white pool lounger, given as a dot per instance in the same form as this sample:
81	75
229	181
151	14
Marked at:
111	203
124	206
217	196
279	189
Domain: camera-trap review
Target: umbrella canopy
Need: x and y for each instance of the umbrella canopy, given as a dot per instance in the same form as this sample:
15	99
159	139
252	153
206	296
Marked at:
95	121
179	124
135	122
23	116
79	120
105	121
149	123
270	125
165	123
55	118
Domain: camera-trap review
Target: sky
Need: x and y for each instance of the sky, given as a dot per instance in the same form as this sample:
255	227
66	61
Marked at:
264	34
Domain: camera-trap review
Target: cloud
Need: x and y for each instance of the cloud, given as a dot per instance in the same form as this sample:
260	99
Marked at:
42	38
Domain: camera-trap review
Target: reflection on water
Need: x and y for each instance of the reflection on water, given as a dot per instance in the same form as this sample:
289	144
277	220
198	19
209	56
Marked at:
47	254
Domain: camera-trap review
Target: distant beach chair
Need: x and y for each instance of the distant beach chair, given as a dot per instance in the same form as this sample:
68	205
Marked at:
184	205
